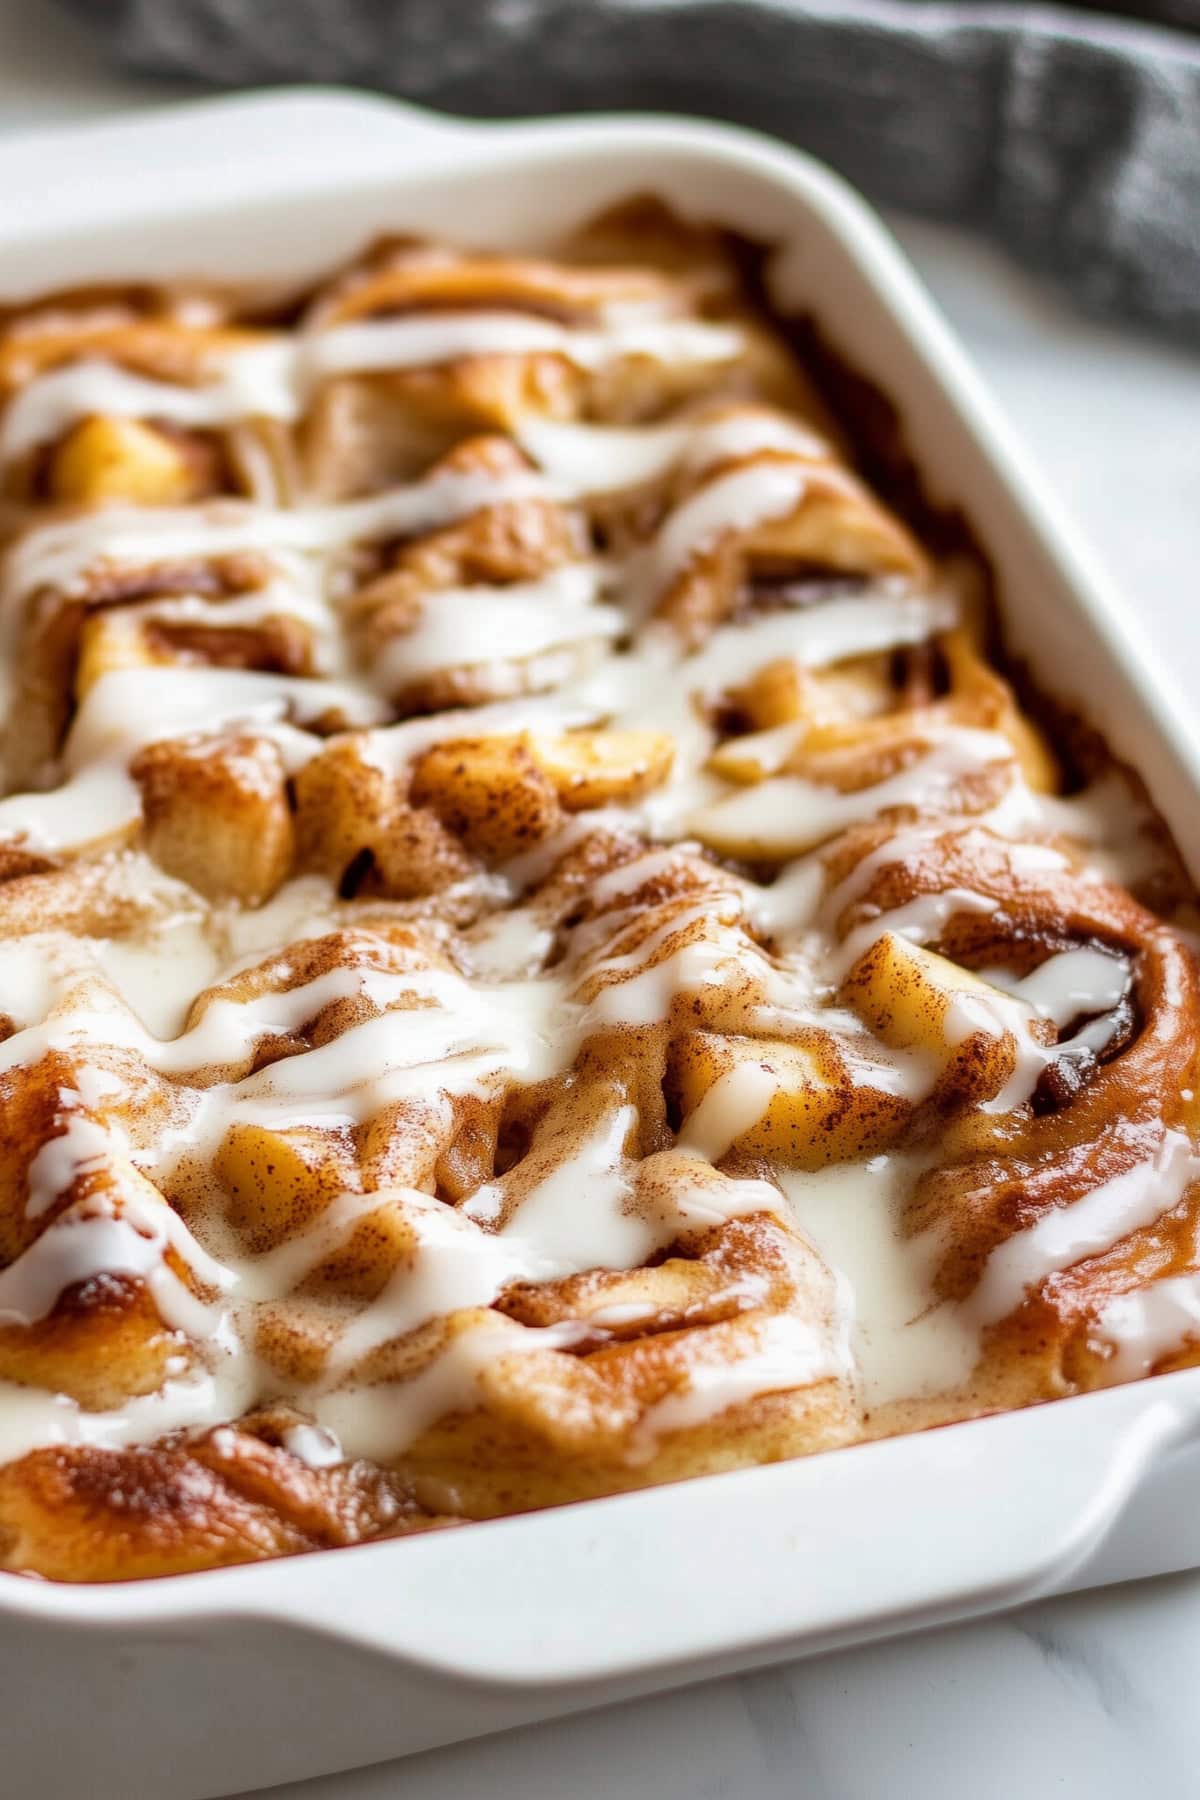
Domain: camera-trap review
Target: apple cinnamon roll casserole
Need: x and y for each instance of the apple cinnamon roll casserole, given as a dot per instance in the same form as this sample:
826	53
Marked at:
538	954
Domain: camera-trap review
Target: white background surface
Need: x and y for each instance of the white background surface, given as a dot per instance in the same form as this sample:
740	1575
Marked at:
1091	1697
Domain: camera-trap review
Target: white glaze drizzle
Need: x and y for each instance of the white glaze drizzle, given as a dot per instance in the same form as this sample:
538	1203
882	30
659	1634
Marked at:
490	624
276	379
434	1037
1140	1328
604	459
59	555
904	1345
1067	1235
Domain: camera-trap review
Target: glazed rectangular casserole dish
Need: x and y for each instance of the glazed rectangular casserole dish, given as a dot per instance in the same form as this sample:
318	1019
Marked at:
231	1677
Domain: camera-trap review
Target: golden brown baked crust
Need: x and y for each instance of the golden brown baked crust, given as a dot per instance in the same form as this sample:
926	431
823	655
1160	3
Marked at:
538	956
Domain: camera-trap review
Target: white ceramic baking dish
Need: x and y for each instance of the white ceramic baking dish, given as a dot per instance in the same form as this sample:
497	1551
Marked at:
178	1689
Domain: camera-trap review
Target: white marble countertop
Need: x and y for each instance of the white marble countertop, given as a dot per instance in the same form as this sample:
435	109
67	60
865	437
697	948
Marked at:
1092	1696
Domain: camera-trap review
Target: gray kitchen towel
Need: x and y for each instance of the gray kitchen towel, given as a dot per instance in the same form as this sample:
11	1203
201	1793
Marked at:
1072	135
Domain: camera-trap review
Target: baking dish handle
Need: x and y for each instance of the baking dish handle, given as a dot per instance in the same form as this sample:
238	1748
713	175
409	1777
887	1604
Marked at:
722	1573
719	1573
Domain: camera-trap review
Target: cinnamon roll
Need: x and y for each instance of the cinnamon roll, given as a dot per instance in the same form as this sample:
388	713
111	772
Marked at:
540	953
